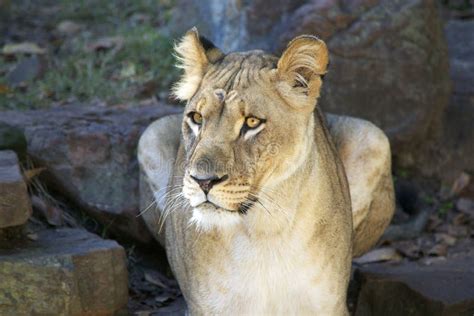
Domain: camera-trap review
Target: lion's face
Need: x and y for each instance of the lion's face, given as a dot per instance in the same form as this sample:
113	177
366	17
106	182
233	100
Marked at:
240	130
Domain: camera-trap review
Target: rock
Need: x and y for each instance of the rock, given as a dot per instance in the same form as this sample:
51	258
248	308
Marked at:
460	38
453	151
388	59
466	206
26	70
90	158
63	272
12	138
445	287
15	205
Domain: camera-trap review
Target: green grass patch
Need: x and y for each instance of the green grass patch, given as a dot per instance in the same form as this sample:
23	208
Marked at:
142	67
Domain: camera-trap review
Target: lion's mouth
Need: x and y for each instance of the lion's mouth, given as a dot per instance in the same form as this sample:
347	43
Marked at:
242	209
210	204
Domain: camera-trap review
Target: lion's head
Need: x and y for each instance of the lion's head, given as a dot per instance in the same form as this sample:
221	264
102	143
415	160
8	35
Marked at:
247	122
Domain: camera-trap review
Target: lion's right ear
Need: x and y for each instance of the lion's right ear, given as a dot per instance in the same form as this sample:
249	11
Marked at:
194	54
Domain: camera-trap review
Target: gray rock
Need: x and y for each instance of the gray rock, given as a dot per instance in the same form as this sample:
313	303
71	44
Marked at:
443	288
460	38
388	59
90	157
26	70
63	272
453	151
12	138
15	205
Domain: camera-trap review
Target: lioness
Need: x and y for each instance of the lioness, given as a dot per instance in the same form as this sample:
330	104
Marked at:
253	188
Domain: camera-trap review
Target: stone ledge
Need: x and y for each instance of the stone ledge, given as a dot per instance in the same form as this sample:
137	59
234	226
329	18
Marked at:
15	205
63	272
90	158
444	288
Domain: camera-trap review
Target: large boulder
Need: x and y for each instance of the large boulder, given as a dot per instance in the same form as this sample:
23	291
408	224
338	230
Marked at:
453	152
90	158
388	59
63	272
443	288
15	205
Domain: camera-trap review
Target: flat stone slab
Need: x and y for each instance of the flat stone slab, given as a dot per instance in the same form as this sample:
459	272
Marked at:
64	272
15	205
443	288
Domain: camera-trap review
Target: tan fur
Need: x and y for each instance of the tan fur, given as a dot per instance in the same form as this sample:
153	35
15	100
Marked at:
290	253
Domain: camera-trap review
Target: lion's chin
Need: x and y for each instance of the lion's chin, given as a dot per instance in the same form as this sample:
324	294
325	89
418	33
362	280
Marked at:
207	217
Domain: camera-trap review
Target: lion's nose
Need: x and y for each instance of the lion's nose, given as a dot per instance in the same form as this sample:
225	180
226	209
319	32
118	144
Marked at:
206	184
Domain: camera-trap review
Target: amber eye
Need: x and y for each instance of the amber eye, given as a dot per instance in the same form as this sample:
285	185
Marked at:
196	118
252	122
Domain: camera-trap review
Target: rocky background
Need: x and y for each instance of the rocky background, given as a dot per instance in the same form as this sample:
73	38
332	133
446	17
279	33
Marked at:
79	82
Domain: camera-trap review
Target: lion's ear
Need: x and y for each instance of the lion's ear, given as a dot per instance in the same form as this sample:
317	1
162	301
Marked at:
194	53
300	68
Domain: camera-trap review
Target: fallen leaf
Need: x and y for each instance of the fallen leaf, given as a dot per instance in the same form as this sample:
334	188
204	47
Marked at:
106	43
4	89
460	219
22	48
459	184
379	255
32	173
433	223
409	249
458	231
128	71
68	27
153	278
445	238
439	250
466	206
32	236
163	297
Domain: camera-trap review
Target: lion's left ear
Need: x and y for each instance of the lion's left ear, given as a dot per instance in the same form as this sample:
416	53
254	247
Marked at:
300	68
194	54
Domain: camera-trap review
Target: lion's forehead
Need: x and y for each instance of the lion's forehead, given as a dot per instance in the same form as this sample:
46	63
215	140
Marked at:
238	71
233	84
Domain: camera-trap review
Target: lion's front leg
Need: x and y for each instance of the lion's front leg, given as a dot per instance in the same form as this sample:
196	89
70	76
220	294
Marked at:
157	150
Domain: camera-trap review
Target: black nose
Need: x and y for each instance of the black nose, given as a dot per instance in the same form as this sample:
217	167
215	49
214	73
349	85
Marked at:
206	184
